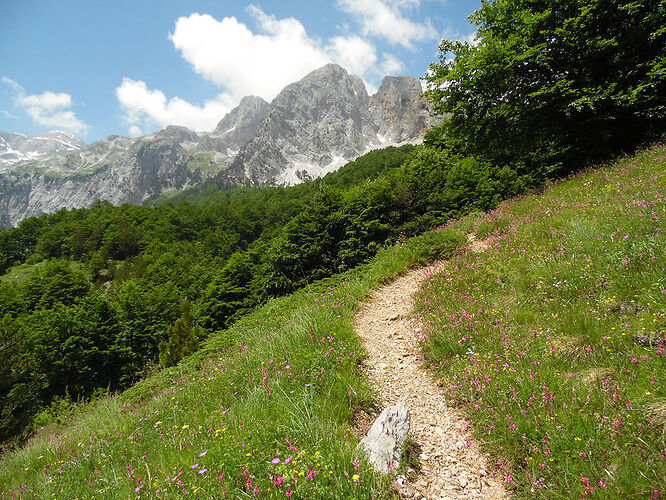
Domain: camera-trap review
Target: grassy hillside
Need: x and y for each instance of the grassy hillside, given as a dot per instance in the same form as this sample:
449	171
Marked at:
552	340
263	409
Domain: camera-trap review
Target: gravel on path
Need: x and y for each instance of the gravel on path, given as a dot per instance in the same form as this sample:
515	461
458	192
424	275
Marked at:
452	466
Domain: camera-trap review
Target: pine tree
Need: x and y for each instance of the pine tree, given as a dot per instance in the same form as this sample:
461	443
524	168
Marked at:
183	338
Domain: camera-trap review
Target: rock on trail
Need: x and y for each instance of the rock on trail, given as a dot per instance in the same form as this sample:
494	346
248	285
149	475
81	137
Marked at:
386	438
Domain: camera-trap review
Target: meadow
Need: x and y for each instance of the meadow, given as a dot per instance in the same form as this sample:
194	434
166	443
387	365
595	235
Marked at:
551	341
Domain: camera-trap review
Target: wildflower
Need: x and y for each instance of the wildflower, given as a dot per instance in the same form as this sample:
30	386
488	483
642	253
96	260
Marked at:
355	478
276	460
137	489
287	460
203	453
203	471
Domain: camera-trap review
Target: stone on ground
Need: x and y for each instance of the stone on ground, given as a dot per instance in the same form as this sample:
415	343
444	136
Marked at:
385	440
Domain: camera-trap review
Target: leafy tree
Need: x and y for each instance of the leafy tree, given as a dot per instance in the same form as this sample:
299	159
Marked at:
146	310
54	283
553	84
122	241
76	347
307	247
19	385
231	293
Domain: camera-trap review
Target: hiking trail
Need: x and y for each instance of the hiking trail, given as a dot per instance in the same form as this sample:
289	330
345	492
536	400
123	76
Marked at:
452	466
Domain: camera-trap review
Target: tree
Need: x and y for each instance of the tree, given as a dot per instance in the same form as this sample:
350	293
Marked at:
553	84
183	338
231	293
54	283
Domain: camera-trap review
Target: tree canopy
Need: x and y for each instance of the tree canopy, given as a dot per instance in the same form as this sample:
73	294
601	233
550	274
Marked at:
550	85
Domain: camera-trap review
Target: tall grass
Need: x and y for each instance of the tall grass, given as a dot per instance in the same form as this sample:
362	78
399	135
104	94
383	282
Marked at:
263	409
552	341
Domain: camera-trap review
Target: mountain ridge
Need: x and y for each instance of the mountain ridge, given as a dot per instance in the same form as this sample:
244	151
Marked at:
312	127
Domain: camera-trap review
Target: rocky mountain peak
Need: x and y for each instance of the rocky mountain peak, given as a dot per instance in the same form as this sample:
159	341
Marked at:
312	127
237	128
400	110
177	133
250	110
15	148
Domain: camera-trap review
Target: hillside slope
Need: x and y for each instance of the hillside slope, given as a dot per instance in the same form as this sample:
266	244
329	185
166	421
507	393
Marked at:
264	408
569	395
552	340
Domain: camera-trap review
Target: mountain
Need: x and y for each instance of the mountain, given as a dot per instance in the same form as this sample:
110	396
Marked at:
318	124
117	169
312	127
15	148
399	110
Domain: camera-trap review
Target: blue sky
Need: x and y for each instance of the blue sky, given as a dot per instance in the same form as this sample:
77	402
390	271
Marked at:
132	67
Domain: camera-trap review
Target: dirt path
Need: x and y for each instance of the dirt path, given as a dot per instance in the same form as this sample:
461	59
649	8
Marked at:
452	466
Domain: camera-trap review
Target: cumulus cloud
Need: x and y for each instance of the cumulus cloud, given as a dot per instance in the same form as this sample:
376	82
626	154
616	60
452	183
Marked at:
50	109
384	18
230	54
391	65
145	108
245	62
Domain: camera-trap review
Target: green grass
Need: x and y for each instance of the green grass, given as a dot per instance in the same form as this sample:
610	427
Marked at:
21	273
281	385
552	340
205	163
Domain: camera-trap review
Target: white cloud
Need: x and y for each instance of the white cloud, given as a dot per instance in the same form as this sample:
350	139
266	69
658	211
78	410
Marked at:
385	19
50	109
357	55
243	62
228	53
145	108
392	65
471	39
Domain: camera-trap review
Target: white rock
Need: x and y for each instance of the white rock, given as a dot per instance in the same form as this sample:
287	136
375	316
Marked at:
386	438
